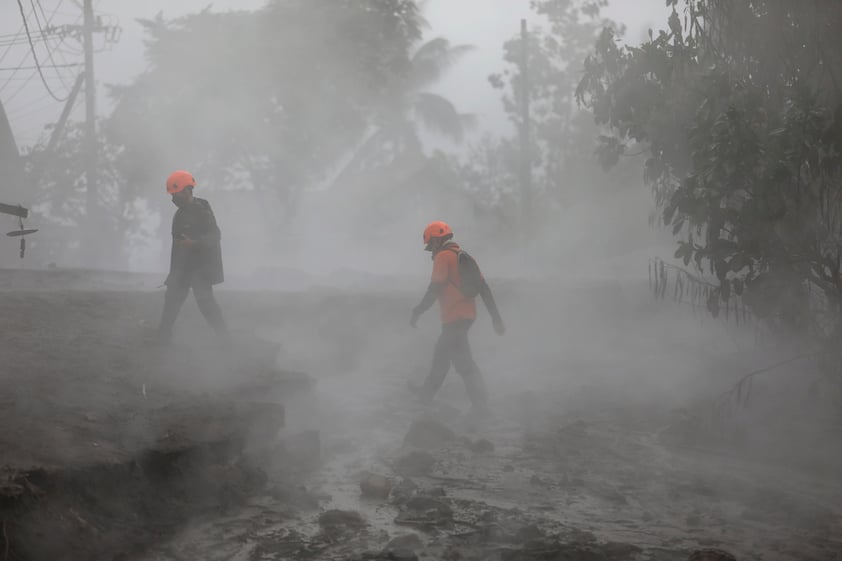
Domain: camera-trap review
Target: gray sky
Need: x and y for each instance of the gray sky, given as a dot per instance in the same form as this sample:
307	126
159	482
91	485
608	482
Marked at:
485	24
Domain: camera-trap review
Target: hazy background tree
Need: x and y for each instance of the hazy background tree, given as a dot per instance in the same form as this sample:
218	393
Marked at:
264	104
571	194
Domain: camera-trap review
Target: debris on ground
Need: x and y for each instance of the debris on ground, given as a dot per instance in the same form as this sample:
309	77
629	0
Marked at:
335	518
403	491
481	446
425	512
415	463
410	542
560	481
427	433
375	486
711	555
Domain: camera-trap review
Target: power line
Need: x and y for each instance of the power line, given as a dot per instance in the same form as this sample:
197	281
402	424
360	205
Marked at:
13	74
44	35
22	86
35	56
8	43
6	52
29	104
16	68
58	42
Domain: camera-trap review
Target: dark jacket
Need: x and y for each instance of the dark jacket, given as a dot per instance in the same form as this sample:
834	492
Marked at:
196	222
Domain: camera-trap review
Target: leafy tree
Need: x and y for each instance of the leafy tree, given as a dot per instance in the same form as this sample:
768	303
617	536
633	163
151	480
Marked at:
269	99
409	106
561	148
737	105
266	101
59	200
564	170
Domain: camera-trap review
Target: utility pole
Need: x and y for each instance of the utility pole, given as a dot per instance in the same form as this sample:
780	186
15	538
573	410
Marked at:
90	129
525	134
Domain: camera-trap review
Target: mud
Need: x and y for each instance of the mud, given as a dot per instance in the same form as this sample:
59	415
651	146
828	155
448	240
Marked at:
602	488
585	455
619	495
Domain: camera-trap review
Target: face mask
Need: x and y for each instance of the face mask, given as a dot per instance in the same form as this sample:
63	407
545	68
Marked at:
179	202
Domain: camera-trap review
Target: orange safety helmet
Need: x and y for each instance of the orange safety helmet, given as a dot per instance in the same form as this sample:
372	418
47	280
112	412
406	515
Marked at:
437	229
178	181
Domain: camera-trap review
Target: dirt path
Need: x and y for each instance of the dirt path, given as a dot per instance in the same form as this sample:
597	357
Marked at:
569	487
583	457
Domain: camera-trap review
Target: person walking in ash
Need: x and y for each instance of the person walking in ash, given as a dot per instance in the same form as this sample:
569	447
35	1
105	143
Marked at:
195	260
455	283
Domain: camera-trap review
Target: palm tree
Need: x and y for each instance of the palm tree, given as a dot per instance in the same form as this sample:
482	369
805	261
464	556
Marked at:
396	129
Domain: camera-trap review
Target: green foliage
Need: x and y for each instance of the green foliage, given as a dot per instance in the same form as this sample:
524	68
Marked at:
736	105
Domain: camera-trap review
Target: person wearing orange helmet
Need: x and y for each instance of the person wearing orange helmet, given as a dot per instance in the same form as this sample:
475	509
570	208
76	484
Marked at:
455	283
195	259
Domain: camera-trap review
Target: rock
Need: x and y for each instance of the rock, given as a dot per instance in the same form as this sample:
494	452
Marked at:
9	490
407	541
415	463
398	555
609	494
375	486
335	519
403	548
482	446
620	551
537	481
427	504
401	555
427	433
299	497
528	534
711	555
425	511
302	449
576	430
562	551
582	536
404	491
437	492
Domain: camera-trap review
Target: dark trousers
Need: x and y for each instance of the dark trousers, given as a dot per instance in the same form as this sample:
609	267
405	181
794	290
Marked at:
177	293
453	348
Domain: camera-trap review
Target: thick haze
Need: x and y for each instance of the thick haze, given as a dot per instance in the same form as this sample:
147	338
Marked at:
319	240
485	24
301	124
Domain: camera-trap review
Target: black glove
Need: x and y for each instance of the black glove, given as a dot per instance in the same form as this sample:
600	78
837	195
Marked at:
413	320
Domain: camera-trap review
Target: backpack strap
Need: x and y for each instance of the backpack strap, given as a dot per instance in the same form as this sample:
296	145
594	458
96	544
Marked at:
458	252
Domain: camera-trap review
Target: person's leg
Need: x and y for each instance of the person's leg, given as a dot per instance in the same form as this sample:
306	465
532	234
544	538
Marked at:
203	292
173	300
441	364
464	364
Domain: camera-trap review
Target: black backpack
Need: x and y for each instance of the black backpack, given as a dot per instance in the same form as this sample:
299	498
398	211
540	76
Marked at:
469	274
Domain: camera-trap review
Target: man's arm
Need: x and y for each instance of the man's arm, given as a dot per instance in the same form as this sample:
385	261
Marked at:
441	274
213	234
428	300
491	306
178	237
